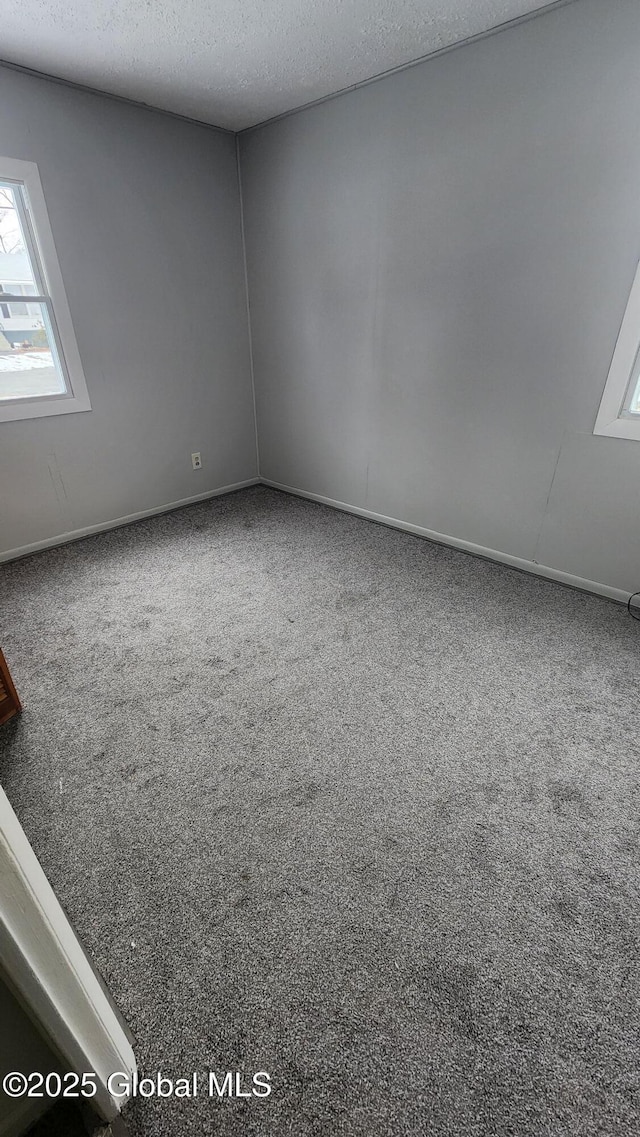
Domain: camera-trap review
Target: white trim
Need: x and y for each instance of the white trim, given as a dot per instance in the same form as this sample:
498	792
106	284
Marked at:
49	970
608	421
15	169
520	563
117	522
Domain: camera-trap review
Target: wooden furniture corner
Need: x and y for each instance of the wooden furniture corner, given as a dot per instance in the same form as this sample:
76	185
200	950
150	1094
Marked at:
10	704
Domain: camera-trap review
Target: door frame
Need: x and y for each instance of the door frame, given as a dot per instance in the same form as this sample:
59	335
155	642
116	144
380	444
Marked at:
51	973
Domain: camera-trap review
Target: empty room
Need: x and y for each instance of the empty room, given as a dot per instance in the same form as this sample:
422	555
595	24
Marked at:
320	580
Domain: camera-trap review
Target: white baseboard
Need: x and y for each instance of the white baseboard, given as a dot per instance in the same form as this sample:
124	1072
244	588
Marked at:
557	575
519	563
117	522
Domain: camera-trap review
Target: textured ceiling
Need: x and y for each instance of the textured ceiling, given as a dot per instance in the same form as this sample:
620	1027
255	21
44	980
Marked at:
235	63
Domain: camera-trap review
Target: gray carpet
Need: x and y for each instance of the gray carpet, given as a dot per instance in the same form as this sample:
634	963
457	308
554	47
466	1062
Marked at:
368	809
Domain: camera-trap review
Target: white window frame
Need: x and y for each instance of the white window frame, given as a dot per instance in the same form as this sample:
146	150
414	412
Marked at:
613	418
42	251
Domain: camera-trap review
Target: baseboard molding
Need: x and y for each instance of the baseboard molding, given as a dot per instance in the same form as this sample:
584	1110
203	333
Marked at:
545	571
118	522
531	567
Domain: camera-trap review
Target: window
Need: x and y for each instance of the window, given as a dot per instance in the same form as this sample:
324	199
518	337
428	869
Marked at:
19	289
40	368
619	413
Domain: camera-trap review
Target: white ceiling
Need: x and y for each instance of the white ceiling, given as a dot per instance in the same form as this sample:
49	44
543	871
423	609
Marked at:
235	63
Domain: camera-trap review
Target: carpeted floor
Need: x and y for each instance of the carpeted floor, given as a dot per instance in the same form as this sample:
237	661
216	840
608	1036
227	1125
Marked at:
328	801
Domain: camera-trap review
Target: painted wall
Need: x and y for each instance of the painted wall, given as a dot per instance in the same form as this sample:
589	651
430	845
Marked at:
145	214
22	1049
438	267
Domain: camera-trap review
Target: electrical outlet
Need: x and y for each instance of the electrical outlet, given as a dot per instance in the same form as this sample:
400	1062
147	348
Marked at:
196	461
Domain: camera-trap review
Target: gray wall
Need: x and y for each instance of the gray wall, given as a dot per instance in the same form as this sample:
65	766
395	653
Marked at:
146	219
438	264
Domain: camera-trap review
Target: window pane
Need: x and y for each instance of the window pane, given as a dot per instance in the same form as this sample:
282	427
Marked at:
16	271
16	308
634	404
29	366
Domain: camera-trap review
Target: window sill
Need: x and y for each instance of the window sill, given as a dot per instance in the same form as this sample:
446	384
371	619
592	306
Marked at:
41	408
619	428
